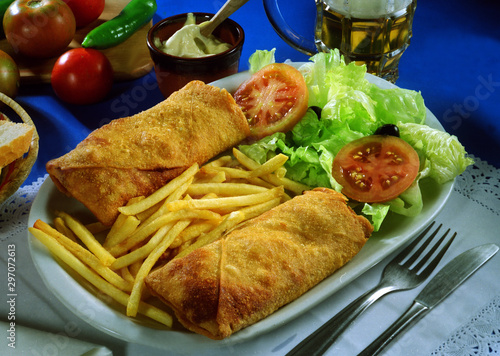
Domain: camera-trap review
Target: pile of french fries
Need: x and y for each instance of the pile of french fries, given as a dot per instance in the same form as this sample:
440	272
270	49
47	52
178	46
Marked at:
194	209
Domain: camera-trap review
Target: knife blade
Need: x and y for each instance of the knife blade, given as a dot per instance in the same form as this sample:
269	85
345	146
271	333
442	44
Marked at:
441	285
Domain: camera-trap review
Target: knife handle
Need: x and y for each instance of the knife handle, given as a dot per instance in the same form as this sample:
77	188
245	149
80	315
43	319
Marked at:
319	341
414	313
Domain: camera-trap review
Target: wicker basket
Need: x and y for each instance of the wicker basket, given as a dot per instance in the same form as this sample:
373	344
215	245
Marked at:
14	174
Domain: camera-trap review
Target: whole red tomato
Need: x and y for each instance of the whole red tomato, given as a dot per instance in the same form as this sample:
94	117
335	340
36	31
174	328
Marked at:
9	75
82	76
39	28
85	11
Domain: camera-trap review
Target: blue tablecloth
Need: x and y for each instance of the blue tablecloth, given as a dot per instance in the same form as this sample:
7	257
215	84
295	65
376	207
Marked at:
453	59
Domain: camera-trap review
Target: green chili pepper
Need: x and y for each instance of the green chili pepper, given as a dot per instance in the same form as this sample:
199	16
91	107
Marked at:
4	5
113	32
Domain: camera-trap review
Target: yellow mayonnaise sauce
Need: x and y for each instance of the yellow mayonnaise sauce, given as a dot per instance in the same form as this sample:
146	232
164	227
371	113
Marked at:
188	42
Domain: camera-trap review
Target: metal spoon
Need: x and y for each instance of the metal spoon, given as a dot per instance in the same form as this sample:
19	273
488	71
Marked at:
225	11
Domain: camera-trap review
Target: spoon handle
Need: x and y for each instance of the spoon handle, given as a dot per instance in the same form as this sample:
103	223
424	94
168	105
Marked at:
225	11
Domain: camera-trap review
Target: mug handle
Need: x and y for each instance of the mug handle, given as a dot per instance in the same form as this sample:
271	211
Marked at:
281	27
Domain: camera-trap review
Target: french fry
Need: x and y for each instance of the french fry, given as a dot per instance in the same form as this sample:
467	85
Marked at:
227	224
244	160
192	232
134	268
260	182
88	239
118	224
231	173
195	229
146	214
209	196
219	162
114	228
280	172
161	209
256	210
105	287
149	262
126	275
277	180
121	232
96	227
161	193
288	184
84	255
224	189
226	202
145	231
270	166
60	226
143	251
203	177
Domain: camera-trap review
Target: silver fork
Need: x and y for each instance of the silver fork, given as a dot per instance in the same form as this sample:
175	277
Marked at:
404	272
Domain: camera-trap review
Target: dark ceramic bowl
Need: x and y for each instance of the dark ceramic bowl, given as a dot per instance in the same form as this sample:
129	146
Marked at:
174	72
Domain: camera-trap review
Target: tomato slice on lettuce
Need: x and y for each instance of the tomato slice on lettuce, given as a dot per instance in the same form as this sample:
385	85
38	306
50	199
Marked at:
273	100
375	168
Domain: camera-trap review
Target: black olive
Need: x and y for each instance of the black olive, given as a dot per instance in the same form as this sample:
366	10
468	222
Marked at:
317	110
388	130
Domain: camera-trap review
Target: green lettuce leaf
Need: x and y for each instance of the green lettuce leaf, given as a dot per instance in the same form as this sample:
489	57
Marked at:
260	59
376	213
444	154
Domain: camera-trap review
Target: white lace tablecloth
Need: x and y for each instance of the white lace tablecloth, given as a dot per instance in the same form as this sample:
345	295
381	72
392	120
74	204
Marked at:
466	323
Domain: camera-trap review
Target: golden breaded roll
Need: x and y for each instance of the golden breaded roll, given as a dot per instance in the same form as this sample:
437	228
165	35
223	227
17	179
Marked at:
136	155
268	262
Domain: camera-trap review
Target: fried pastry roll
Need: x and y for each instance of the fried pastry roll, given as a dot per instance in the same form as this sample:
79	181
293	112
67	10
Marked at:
259	267
136	155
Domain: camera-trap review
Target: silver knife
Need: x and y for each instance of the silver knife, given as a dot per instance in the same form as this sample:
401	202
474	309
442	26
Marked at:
443	283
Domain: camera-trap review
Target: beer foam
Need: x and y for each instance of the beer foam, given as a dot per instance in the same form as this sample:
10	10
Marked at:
367	9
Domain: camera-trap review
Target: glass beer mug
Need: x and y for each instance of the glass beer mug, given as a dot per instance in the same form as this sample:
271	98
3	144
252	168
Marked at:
371	32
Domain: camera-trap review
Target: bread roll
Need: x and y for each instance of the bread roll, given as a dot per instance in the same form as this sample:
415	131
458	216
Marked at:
15	140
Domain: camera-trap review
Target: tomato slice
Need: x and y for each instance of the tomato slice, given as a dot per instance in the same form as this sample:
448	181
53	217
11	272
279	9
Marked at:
375	168
273	100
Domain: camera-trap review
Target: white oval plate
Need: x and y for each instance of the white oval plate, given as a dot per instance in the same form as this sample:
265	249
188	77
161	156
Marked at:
99	311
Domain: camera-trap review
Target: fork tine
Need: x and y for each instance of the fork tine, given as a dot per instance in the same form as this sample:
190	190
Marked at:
411	260
433	249
404	254
430	267
422	248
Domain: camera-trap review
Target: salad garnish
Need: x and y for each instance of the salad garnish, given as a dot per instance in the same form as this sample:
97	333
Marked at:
352	107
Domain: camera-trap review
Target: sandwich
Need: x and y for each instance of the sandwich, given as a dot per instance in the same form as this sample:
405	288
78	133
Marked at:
136	155
264	264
